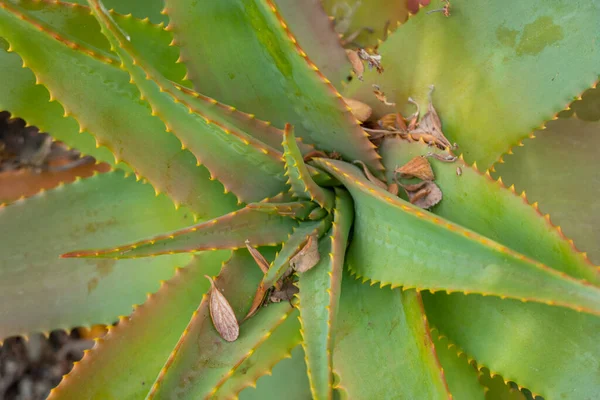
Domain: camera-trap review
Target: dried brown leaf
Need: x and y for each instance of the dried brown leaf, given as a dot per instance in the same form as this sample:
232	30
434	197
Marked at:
430	124
393	188
373	60
286	292
458	171
222	314
259	298
424	194
370	176
448	158
360	110
381	96
308	256
357	64
418	167
260	260
393	122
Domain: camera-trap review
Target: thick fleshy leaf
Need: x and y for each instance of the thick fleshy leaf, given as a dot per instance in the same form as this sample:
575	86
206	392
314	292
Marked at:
273	76
430	252
315	34
298	175
474	201
549	350
26	183
366	22
497	389
227	232
461	375
296	210
39	291
559	169
244	165
319	297
187	374
288	376
150	9
125	124
120	366
500	69
384	327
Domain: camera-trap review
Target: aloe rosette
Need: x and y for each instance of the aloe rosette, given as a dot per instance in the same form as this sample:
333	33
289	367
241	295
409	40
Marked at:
226	124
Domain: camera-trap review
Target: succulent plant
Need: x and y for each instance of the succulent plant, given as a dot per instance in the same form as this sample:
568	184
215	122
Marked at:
362	259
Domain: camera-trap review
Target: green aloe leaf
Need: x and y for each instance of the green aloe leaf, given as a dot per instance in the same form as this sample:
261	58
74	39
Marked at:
288	376
187	374
461	375
273	76
227	232
475	201
315	34
151	9
384	327
462	260
101	210
319	297
366	22
548	350
544	50
298	174
296	210
244	165
557	169
120	365
125	125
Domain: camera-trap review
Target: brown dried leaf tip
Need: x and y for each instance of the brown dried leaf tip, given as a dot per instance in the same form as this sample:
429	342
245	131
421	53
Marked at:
424	194
357	65
260	260
308	256
360	110
222	314
418	167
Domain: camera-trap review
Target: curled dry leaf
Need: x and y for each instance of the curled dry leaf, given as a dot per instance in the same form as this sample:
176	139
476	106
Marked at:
370	176
360	110
431	125
381	96
308	256
424	194
393	122
260	260
449	158
373	60
393	188
286	292
259	298
222	314
418	167
357	65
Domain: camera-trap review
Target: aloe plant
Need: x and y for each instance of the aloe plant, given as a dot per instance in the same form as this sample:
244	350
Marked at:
234	155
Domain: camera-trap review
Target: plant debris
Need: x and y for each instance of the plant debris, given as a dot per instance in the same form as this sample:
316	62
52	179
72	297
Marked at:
259	258
458	171
307	257
222	314
448	158
360	110
418	167
424	194
357	65
373	60
286	292
381	96
370	176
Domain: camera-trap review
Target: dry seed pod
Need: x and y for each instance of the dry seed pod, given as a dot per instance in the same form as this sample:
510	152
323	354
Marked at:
307	257
418	167
360	110
260	260
357	65
222	314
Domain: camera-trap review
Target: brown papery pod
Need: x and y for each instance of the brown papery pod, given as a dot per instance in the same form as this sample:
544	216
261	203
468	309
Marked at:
360	110
222	314
307	257
260	260
418	167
